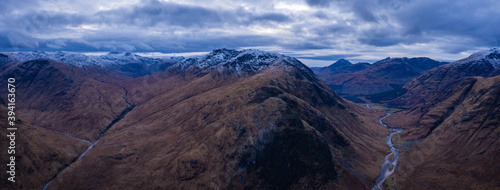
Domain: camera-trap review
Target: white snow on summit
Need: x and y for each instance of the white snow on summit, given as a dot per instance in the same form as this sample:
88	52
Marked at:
78	59
492	56
67	57
245	60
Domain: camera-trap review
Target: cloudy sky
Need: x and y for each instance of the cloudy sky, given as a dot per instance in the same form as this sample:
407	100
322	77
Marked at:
316	31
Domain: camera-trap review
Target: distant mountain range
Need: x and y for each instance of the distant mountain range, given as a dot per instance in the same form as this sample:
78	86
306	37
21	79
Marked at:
250	119
380	80
124	62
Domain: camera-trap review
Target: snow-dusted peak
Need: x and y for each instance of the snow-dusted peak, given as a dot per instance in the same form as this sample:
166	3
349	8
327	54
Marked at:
67	57
120	57
79	59
248	60
216	57
491	56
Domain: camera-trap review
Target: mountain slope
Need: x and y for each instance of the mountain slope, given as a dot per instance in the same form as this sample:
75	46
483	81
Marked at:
454	111
39	154
462	151
233	120
80	101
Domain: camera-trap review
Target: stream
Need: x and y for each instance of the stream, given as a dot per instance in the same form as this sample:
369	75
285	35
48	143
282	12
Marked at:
386	169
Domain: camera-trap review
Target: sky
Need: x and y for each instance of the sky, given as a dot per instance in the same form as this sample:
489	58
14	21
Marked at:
318	32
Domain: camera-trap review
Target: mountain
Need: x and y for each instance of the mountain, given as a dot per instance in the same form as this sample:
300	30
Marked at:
230	120
39	154
481	64
125	62
384	79
462	151
78	100
453	111
338	64
341	66
434	95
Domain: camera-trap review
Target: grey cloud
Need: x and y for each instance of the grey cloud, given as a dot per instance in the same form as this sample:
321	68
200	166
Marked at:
191	26
333	29
319	3
45	21
362	10
275	17
9	6
320	15
183	43
305	44
153	13
419	21
472	19
17	40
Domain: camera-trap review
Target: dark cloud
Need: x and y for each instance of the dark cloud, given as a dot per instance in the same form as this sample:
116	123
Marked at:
17	40
470	19
305	45
364	11
112	41
319	3
9	6
274	17
332	30
46	21
153	13
420	21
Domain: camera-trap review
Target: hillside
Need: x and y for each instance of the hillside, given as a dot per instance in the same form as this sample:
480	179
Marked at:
454	112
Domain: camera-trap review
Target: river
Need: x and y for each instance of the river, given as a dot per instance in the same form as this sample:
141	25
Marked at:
386	169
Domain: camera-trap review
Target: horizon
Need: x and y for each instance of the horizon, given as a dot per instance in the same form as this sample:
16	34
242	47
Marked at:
202	54
317	32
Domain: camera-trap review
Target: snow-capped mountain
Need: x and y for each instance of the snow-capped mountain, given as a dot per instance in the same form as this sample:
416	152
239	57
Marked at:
120	58
67	57
483	64
126	62
489	57
248	60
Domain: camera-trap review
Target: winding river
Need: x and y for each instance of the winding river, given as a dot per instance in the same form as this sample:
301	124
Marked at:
386	169
90	147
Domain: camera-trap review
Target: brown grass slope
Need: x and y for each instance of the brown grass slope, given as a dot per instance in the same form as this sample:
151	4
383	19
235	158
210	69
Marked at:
462	152
81	101
40	153
455	110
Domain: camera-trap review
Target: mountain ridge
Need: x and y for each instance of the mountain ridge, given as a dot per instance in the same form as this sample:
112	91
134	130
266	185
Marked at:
385	78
